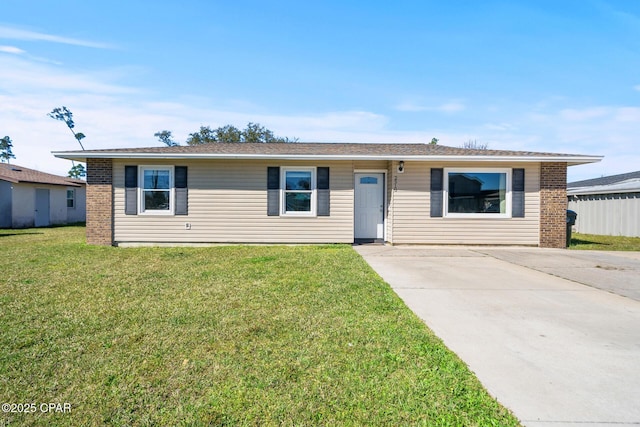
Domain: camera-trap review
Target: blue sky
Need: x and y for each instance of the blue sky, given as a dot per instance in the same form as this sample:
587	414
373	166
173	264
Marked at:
559	76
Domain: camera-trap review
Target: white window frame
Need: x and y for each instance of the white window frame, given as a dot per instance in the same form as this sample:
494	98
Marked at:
73	198
141	189
445	193
284	191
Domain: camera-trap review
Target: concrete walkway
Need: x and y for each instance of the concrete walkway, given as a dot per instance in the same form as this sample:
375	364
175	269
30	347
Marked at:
553	350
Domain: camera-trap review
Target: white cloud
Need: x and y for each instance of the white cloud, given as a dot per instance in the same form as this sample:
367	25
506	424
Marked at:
627	114
605	130
28	35
452	106
637	87
341	120
410	107
584	113
11	49
23	53
18	75
113	114
499	126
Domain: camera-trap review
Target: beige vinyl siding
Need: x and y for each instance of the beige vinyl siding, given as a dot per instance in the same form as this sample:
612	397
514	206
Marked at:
370	165
409	212
228	203
391	178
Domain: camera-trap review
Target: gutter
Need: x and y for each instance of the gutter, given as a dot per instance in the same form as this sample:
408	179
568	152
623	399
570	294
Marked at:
571	160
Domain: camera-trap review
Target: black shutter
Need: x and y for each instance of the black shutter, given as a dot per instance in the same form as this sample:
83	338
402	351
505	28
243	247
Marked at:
181	190
436	192
131	190
273	191
324	200
517	193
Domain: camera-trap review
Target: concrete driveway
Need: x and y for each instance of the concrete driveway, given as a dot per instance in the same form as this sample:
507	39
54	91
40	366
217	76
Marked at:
554	335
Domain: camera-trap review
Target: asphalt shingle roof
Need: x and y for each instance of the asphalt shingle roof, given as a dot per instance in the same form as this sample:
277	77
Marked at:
14	173
331	149
605	180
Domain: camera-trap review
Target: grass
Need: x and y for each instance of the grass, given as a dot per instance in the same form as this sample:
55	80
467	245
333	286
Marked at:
236	335
604	243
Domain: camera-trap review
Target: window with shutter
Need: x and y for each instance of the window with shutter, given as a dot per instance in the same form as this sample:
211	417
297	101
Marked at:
298	191
477	193
156	190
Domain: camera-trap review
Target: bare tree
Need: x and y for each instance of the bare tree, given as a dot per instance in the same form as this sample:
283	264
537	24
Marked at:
475	145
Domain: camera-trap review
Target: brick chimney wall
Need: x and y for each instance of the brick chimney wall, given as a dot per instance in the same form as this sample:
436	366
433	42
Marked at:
553	205
99	202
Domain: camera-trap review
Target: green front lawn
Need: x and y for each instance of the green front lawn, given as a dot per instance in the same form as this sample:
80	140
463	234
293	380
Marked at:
604	243
236	335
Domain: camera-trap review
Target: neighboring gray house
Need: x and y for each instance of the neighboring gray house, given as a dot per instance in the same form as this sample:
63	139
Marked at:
29	198
608	206
325	193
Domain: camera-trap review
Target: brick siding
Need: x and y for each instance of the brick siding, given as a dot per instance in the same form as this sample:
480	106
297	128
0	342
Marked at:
553	205
99	202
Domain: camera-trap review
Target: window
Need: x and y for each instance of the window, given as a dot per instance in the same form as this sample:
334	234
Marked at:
481	193
299	191
71	198
368	180
156	191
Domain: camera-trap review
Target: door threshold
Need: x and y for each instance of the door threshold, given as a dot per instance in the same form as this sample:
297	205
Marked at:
368	241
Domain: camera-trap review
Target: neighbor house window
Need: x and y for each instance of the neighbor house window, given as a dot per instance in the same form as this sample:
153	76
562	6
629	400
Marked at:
482	193
71	198
156	191
299	189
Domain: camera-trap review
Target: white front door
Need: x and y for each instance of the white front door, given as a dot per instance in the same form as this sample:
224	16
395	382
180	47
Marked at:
369	206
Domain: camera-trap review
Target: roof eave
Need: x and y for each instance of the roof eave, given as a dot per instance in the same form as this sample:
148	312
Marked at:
587	192
570	160
42	182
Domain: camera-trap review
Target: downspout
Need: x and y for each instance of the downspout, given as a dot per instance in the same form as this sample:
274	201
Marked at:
393	201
